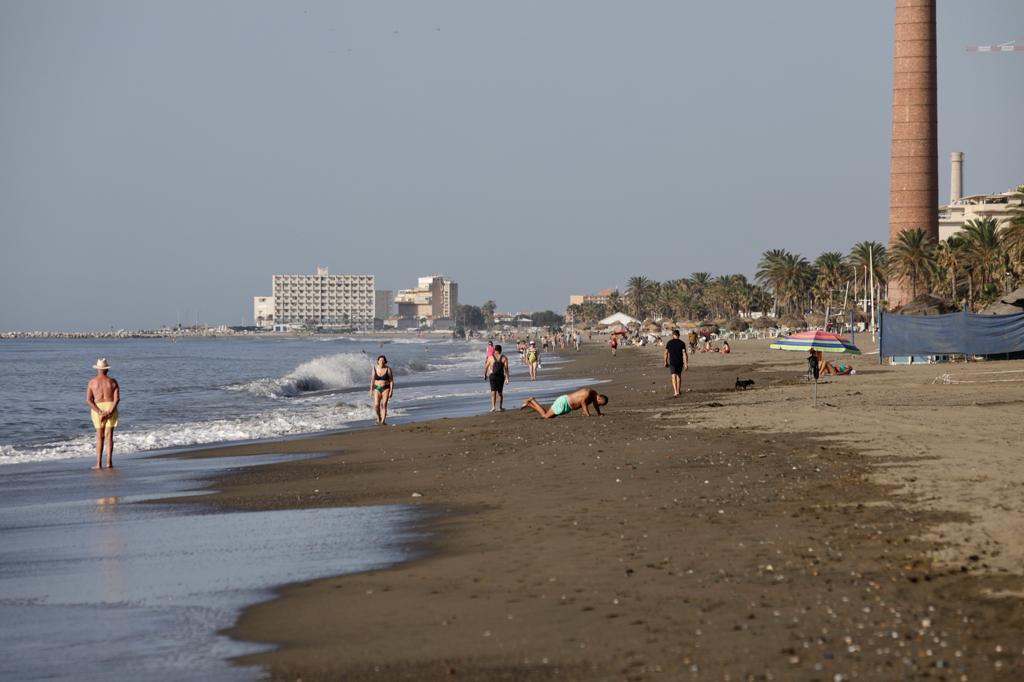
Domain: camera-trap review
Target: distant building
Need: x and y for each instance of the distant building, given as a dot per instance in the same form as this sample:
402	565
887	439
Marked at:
961	209
1000	207
263	311
383	303
601	297
435	298
324	300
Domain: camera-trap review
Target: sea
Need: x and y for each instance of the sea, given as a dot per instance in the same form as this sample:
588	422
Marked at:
190	391
101	580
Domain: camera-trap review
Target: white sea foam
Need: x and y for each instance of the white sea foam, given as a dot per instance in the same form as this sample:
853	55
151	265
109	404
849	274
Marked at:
342	370
339	371
251	427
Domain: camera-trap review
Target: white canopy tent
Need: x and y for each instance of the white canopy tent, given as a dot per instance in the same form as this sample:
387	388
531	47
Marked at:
619	318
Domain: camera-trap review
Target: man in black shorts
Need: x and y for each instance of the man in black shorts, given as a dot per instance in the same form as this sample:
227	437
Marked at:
677	360
496	371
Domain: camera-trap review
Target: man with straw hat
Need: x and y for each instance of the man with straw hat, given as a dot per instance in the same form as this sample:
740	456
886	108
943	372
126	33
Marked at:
102	395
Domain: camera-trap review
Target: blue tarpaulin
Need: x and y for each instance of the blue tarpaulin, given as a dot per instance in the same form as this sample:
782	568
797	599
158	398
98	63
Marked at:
961	333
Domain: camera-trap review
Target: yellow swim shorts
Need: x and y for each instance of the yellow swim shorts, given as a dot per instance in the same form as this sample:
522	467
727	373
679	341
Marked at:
111	421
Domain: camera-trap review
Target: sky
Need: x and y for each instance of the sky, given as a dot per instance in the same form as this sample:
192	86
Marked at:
161	160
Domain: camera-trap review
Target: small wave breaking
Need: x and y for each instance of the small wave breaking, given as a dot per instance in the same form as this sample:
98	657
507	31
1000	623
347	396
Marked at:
271	424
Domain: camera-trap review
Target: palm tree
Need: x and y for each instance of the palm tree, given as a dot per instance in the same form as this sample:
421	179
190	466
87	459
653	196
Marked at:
949	257
912	256
1013	240
981	236
863	257
575	313
769	271
669	294
638	291
698	283
614	302
797	277
829	275
788	275
488	312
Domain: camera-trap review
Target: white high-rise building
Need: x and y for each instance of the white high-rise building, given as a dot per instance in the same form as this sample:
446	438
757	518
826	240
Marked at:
263	311
324	299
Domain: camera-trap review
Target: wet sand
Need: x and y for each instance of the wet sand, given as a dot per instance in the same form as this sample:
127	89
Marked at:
723	535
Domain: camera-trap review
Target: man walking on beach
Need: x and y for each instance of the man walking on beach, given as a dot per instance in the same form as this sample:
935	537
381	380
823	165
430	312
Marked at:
564	404
677	360
103	395
496	371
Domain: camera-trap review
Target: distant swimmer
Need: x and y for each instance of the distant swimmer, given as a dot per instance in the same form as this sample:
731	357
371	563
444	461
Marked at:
579	399
496	371
382	386
103	395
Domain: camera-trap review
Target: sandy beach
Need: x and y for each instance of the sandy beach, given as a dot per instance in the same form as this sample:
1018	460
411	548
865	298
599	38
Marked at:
723	535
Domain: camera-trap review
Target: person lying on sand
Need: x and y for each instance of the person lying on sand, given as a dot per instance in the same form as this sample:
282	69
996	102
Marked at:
579	399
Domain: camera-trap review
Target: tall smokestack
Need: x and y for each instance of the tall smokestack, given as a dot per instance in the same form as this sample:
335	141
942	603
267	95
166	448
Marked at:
914	160
956	176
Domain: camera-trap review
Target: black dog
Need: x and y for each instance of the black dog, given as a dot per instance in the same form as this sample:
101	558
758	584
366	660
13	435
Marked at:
743	383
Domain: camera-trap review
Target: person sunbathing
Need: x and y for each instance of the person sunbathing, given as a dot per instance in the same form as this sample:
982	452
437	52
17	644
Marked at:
579	399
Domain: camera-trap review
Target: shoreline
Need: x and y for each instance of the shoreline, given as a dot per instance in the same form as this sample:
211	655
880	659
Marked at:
557	549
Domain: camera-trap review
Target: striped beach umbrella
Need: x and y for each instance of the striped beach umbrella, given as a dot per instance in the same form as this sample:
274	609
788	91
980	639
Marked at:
816	340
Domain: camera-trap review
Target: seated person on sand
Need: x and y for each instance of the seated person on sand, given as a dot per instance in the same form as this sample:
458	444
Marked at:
826	368
579	399
725	347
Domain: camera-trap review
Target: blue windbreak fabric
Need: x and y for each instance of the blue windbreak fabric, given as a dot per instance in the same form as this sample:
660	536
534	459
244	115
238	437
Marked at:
954	333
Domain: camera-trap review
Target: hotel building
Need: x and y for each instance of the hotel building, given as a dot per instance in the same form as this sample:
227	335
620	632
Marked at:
324	300
435	297
600	297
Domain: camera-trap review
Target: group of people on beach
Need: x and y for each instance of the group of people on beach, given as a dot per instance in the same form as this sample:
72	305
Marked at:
497	373
103	393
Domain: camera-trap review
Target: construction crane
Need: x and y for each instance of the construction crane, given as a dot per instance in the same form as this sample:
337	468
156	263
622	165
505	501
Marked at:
1001	47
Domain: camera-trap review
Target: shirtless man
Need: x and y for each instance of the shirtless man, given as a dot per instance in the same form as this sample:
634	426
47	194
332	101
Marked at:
579	399
103	395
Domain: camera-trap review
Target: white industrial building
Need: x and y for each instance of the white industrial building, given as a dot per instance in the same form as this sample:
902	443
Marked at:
962	209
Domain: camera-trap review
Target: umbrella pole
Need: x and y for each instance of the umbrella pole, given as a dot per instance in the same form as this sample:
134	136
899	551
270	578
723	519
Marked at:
815	404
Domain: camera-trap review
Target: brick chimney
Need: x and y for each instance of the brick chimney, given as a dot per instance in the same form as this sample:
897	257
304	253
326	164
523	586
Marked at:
914	158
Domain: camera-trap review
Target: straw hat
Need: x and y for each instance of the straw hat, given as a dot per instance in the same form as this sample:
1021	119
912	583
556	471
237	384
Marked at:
101	364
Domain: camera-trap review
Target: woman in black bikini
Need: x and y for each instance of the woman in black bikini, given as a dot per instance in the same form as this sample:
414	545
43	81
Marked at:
382	385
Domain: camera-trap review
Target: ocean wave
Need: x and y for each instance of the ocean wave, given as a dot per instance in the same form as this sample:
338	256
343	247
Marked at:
342	370
270	424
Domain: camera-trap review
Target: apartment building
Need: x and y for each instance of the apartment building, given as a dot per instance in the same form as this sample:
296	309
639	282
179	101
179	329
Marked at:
435	297
324	300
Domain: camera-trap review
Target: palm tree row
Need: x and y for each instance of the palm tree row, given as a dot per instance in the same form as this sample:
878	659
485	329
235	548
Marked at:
971	267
